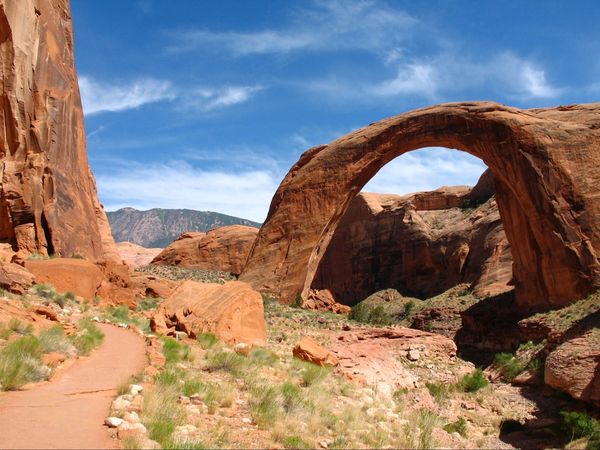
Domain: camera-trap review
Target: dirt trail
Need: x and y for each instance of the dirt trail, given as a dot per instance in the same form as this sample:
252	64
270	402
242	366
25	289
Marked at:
69	412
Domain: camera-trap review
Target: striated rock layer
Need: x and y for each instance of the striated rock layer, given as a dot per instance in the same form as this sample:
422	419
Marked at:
224	248
545	164
421	245
48	200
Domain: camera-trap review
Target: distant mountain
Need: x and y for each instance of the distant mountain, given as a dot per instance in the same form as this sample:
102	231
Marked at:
159	227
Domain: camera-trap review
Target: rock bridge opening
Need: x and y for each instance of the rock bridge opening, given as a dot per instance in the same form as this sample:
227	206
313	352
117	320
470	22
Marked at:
400	234
544	162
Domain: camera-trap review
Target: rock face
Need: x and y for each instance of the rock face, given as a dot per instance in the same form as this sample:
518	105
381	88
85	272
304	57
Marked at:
574	367
46	182
546	171
233	311
308	349
79	276
421	245
159	227
224	248
135	255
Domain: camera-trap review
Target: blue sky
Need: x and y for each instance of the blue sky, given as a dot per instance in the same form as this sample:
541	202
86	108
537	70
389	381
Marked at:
206	105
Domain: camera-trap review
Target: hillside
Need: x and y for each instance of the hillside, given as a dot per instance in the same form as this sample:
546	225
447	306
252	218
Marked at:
159	227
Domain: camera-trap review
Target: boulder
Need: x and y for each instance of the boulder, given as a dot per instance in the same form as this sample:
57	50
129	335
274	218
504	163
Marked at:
15	278
135	255
323	300
308	349
232	311
79	276
574	367
151	286
224	248
546	182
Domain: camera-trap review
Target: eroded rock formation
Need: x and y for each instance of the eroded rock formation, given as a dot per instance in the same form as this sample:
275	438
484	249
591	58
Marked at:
421	245
224	248
545	165
46	182
136	255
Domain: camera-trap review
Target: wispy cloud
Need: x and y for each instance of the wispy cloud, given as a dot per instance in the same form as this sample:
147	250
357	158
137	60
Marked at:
100	97
425	170
442	77
332	25
178	184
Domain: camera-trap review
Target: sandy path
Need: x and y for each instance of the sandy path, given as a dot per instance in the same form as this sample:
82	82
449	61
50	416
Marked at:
69	412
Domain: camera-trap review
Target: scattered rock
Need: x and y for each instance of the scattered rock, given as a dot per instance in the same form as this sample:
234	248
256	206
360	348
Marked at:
131	430
413	355
113	422
309	350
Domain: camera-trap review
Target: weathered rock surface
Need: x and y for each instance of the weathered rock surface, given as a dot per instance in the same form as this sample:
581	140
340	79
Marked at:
308	349
574	367
15	278
420	244
135	255
49	203
232	311
546	171
159	227
224	248
79	276
323	300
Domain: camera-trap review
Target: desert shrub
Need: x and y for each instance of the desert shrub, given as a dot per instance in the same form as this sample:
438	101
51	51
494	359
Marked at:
216	394
460	427
88	337
54	340
439	391
508	365
207	340
162	414
120	313
577	425
313	374
293	399
408	308
147	303
264	404
69	295
263	356
226	361
20	363
361	312
5	332
44	290
186	444
191	387
473	382
298	302
172	350
295	442
169	377
16	326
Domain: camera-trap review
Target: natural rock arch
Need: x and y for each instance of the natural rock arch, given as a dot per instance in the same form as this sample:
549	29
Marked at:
546	165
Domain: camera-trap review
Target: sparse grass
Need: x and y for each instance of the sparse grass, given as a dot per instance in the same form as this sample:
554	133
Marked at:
148	303
440	391
48	292
162	413
295	442
459	426
473	382
311	373
54	340
263	356
175	352
88	337
265	404
20	363
227	361
16	326
207	340
119	313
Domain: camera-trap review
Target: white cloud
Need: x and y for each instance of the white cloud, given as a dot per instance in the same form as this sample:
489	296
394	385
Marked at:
325	26
411	79
241	193
98	97
425	170
207	99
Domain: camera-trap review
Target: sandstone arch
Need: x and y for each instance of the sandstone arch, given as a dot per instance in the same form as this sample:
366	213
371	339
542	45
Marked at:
545	162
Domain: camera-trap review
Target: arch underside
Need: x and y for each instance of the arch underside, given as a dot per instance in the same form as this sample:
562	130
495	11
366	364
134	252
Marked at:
545	163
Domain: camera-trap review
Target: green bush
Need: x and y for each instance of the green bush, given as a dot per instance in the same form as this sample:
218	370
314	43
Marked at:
207	340
263	357
473	382
460	427
172	350
508	365
265	404
54	340
361	312
147	303
226	361
313	374
295	442
293	397
576	425
120	313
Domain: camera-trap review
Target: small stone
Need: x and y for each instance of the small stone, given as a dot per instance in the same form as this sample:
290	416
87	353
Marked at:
113	422
135	389
120	404
184	400
324	444
346	327
131	417
242	348
192	410
135	430
413	355
137	404
96	319
246	420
